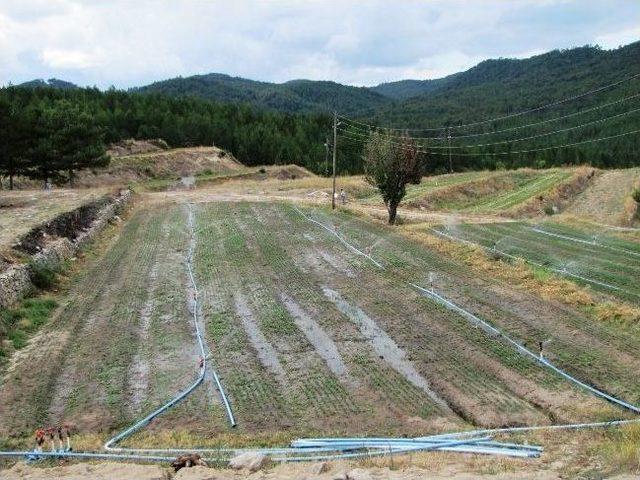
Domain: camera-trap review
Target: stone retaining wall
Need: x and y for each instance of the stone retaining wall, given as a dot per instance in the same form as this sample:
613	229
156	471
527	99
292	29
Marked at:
15	280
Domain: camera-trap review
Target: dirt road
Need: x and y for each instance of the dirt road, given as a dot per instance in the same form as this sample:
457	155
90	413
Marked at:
110	471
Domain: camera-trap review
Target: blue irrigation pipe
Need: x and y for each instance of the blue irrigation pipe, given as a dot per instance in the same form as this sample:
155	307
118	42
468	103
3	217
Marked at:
194	285
521	349
333	232
309	442
545	363
110	444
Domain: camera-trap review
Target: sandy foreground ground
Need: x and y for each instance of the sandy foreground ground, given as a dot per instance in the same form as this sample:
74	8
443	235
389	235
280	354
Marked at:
123	471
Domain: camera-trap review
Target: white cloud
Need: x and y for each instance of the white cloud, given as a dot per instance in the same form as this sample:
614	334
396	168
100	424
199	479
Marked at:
68	59
129	43
616	39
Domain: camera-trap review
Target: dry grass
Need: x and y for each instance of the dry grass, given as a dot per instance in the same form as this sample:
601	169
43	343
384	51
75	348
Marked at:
530	278
21	210
353	185
559	196
606	199
183	438
631	208
622	451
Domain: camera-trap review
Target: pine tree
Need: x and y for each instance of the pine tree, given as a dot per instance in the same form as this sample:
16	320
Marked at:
78	142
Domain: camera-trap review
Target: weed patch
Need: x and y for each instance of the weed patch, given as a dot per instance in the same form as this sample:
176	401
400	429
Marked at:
17	324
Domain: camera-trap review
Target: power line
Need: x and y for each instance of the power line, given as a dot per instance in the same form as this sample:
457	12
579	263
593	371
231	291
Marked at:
515	152
511	115
515	140
519	127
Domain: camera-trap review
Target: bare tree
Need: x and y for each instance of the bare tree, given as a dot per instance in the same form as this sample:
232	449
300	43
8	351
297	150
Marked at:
390	164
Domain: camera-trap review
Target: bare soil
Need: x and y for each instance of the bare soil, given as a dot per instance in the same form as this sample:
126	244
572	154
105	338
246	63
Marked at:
384	345
265	351
109	471
161	164
604	201
318	338
22	210
135	147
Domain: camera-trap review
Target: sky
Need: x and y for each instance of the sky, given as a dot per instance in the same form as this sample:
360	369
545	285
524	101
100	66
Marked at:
127	43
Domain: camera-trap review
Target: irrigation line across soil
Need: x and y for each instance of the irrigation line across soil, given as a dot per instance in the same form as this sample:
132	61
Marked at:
560	271
333	449
339	237
496	333
110	444
586	242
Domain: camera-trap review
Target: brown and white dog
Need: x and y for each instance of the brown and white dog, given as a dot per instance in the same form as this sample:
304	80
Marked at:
60	435
40	438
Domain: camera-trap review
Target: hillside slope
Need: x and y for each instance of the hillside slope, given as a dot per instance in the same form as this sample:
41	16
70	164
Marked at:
404	89
495	86
294	96
608	201
502	86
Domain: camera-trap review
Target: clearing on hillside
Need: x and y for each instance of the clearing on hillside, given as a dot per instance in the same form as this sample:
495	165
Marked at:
492	192
163	168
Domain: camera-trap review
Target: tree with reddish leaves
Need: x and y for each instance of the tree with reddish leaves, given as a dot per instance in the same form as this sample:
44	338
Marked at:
390	164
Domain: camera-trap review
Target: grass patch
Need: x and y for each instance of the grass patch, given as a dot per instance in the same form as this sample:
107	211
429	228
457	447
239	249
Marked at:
16	324
278	321
623	449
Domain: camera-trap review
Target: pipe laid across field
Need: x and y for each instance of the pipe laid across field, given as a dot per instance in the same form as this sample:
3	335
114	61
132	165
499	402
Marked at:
335	233
521	349
560	271
110	444
586	242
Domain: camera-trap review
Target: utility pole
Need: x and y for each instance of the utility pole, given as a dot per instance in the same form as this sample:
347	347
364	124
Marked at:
449	141
335	142
326	157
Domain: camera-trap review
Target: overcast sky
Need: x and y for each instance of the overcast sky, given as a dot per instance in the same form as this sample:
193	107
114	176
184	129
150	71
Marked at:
129	43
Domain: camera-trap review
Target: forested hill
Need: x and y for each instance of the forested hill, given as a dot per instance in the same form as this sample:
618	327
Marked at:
296	96
263	123
501	86
403	89
52	82
491	87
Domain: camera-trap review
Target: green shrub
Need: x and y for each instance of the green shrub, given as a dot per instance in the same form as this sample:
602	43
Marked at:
18	338
8	318
37	310
42	276
548	209
16	324
636	194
